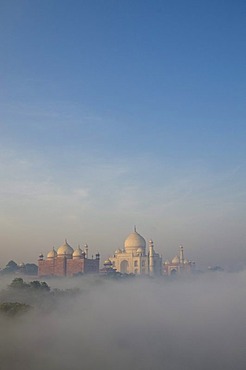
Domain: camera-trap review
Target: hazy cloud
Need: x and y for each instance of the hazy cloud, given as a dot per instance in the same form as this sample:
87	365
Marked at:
139	324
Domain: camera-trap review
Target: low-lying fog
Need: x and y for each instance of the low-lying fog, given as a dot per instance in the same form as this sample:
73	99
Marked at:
138	324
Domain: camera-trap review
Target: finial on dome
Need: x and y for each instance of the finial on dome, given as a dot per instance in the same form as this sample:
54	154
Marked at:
135	229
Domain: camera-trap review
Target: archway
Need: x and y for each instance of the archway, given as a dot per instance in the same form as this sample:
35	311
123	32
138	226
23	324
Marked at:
124	267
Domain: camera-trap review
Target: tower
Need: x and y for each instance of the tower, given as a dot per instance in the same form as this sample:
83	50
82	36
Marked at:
151	258
181	255
86	251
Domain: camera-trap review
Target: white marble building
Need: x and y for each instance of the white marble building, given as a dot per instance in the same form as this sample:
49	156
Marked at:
134	258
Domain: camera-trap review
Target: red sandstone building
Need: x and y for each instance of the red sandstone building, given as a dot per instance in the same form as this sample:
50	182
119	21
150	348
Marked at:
67	262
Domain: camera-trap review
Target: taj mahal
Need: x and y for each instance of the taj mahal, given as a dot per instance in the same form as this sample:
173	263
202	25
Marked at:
134	259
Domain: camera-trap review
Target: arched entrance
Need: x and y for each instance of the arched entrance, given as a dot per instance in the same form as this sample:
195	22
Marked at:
124	267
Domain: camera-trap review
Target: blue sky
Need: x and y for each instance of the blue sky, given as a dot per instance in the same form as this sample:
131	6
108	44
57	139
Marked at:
115	113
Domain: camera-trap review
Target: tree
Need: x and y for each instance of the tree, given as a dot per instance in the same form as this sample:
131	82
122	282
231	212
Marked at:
14	308
10	268
18	283
45	286
12	265
31	269
39	285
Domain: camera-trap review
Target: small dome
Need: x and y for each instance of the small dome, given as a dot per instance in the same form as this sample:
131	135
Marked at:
140	250
118	251
134	241
65	250
22	264
52	254
107	262
78	252
186	262
167	262
175	259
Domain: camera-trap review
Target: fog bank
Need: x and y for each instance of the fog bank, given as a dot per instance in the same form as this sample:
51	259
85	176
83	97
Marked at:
136	324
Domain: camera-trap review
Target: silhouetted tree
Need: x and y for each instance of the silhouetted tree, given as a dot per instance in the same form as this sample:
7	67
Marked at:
31	269
18	283
39	285
12	265
14	308
10	268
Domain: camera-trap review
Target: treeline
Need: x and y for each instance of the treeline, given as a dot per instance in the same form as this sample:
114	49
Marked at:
24	269
19	283
20	297
14	308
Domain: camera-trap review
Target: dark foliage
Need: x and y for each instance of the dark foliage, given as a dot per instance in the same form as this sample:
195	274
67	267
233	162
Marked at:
14	308
24	269
31	269
36	294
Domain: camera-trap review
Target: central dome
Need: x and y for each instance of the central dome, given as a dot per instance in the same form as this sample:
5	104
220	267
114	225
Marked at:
65	250
134	241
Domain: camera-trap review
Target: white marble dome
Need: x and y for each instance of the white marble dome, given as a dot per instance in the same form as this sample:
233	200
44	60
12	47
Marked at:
175	259
65	250
134	241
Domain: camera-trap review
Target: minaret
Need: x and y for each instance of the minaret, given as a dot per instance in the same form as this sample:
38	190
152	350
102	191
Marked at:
181	255
86	251
151	258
